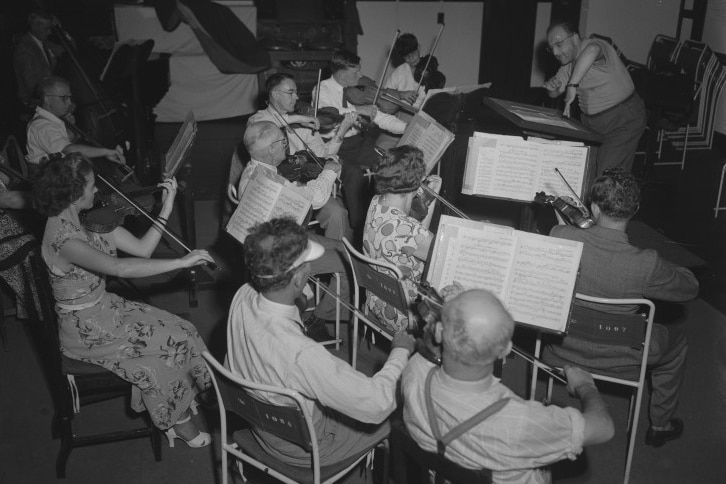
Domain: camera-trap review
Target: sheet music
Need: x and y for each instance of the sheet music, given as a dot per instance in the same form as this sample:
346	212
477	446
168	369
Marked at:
514	168
533	275
265	197
181	146
543	280
426	134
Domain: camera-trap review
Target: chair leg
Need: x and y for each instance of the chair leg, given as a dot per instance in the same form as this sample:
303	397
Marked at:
65	449
156	442
685	148
717	208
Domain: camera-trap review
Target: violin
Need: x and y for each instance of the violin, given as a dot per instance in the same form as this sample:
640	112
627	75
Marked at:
567	208
299	167
427	74
365	94
330	118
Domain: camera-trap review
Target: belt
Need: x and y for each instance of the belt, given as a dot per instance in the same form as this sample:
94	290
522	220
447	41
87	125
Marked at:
627	99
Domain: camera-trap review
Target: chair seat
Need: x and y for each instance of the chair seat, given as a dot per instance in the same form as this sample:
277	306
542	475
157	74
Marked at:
78	367
304	475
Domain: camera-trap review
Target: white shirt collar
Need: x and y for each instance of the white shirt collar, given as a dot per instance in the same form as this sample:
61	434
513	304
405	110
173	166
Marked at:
48	115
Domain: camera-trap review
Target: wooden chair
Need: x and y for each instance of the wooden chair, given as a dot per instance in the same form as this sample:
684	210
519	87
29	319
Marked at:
75	384
623	329
387	287
293	423
407	456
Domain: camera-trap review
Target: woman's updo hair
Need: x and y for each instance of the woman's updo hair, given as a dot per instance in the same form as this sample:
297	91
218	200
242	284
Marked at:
61	183
400	170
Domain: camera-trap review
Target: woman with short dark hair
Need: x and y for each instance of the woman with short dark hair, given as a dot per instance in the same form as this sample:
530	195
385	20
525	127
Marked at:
156	351
391	233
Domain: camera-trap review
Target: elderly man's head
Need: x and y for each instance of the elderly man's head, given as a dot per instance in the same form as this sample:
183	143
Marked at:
563	41
616	195
265	142
53	94
345	67
476	329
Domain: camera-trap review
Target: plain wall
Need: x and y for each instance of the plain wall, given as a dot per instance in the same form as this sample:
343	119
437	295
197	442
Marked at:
458	50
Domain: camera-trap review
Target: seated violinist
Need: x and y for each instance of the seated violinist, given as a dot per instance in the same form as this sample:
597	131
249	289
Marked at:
156	351
282	92
391	233
358	147
47	131
402	79
267	146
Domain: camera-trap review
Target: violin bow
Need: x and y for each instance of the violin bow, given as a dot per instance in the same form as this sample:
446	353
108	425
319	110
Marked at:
431	56
290	129
317	94
582	206
155	222
385	67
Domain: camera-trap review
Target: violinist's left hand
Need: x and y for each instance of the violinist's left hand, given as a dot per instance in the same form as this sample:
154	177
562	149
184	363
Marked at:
116	155
451	291
434	182
334	166
170	187
408	96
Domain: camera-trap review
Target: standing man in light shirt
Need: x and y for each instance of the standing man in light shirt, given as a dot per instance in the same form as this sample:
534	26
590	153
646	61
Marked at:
592	71
266	344
35	57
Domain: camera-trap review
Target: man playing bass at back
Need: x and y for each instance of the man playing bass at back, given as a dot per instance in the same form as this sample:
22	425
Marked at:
47	131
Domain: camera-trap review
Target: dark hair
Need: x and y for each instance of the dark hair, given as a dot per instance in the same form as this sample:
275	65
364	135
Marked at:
343	59
61	182
617	194
567	26
405	44
36	14
270	249
401	170
276	79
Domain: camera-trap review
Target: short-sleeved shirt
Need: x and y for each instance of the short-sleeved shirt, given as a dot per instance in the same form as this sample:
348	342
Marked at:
47	135
392	236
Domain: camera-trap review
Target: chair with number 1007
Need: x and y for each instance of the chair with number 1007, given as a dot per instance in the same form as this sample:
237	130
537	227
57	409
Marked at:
293	423
624	332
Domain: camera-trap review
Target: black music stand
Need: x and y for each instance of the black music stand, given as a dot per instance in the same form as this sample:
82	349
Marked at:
527	120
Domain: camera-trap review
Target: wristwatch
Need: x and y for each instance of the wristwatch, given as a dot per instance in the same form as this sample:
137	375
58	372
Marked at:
573	84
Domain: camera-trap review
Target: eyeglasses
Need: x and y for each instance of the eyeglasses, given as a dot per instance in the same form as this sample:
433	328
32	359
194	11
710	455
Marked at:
558	44
290	93
283	141
64	97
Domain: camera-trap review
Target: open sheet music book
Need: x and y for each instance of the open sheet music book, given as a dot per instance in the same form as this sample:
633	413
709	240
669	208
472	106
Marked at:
533	275
514	168
426	134
265	197
181	146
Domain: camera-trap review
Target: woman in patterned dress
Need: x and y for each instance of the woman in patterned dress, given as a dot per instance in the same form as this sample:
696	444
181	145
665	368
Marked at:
391	233
158	352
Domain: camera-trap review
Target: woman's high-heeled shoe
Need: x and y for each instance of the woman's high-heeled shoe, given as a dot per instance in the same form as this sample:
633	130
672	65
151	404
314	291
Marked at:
201	440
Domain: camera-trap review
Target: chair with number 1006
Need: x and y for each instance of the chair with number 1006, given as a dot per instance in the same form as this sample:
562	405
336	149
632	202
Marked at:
626	332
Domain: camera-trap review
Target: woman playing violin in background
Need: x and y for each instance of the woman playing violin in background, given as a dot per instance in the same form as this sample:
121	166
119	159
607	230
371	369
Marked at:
402	78
156	351
391	234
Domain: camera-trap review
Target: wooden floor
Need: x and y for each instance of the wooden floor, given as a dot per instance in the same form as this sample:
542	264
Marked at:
676	210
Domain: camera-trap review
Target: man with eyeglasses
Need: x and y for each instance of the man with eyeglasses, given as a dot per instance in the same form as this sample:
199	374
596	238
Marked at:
592	71
47	132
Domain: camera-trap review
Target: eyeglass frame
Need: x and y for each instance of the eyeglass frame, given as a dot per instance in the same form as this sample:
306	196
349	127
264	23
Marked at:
285	143
558	44
64	97
292	92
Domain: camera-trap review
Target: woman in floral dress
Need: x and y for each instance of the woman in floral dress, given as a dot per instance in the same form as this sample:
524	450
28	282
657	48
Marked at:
158	352
391	233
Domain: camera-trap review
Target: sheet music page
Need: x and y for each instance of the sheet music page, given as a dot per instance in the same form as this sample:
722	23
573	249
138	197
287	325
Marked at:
542	282
426	134
266	196
514	168
571	161
474	254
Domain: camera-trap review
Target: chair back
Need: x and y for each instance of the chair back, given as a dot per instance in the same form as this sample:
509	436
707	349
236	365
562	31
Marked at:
366	274
607	328
444	470
13	154
289	422
663	54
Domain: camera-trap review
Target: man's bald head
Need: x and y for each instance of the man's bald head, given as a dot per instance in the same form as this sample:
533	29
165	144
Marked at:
477	329
263	142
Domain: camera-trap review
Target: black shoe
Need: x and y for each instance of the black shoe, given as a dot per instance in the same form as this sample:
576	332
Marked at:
316	328
656	438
